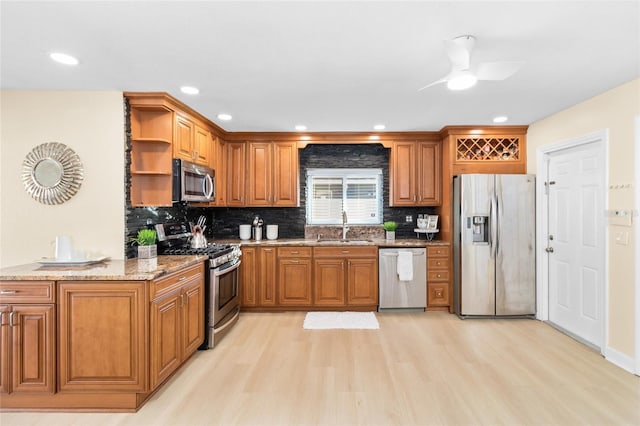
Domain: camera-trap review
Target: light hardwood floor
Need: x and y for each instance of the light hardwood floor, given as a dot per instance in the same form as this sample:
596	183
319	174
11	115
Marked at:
418	369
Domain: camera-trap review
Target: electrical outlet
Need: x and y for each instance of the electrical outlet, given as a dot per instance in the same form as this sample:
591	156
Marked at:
408	218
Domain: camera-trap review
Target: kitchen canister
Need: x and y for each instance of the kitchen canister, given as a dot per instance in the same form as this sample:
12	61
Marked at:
272	232
245	232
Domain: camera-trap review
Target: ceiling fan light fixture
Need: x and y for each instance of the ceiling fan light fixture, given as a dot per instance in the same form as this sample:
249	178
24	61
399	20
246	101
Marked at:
462	82
63	58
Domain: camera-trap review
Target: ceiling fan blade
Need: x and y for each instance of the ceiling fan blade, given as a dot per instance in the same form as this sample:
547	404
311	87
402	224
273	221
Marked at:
459	54
442	80
497	70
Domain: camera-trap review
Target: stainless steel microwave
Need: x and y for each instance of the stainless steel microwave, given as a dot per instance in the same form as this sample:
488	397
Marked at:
192	182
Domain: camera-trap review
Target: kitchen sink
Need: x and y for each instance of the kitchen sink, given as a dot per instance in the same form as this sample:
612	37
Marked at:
347	241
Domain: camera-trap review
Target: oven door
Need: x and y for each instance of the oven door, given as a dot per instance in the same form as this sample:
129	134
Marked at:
224	298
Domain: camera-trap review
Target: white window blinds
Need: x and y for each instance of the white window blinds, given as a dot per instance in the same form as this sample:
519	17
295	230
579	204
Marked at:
332	191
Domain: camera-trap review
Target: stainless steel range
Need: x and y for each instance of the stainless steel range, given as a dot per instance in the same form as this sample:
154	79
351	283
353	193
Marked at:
222	301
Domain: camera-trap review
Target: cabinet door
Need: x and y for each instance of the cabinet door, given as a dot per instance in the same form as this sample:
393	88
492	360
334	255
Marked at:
33	348
235	173
429	183
192	317
294	282
267	277
328	278
247	277
403	182
5	349
362	282
219	166
202	147
260	174
166	343
285	174
103	335
183	139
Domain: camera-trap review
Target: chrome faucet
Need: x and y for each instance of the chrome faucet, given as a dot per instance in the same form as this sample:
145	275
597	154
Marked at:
345	228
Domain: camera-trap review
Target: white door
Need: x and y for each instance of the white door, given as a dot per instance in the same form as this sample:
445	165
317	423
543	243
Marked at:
576	241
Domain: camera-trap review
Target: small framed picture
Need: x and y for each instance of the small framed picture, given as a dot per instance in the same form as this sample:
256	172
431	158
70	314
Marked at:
432	222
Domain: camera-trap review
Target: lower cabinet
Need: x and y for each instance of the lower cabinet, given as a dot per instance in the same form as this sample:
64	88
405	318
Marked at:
27	338
346	276
294	276
116	341
257	277
438	277
177	324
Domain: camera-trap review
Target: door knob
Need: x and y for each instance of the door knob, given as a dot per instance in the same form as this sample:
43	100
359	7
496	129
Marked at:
549	249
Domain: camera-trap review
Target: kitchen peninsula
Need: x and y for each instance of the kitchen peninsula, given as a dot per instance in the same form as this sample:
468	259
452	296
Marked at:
101	337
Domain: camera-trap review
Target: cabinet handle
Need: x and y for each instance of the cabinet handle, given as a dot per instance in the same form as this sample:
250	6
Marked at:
186	299
295	252
414	198
295	261
268	250
345	252
11	314
8	291
182	278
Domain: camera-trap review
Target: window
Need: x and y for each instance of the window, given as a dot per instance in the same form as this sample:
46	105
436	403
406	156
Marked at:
332	191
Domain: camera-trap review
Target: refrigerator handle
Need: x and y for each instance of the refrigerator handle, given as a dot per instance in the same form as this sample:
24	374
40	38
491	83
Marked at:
493	231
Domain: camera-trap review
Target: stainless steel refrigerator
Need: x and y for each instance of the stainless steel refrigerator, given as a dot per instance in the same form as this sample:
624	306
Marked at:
494	245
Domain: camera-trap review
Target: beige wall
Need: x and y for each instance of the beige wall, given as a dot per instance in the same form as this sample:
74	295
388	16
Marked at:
91	123
613	111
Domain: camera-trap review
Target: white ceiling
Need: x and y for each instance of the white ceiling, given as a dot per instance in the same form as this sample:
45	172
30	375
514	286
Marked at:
332	65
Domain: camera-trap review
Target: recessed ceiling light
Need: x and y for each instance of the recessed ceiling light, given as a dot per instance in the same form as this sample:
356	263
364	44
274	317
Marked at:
189	90
225	117
301	127
462	81
63	58
379	127
500	119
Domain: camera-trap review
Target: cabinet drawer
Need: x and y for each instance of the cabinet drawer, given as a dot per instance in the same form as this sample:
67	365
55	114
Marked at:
438	251
438	263
27	292
346	251
294	251
438	295
171	282
437	276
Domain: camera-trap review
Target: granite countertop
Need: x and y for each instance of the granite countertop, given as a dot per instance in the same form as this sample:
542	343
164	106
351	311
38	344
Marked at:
381	242
117	270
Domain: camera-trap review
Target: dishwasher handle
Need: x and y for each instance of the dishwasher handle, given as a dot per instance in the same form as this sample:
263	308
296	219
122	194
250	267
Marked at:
395	254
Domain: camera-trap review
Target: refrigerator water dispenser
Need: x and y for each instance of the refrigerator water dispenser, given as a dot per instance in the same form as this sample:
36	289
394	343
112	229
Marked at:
480	226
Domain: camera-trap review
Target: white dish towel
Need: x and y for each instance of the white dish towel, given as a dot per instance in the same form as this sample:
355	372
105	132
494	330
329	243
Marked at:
405	265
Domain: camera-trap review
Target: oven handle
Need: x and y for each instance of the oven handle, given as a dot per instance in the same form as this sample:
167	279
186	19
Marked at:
218	272
228	323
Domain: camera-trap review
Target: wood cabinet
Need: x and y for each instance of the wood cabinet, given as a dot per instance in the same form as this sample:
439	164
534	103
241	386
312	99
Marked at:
116	312
176	321
294	276
151	155
235	173
272	174
257	277
438	277
27	338
192	142
346	276
416	173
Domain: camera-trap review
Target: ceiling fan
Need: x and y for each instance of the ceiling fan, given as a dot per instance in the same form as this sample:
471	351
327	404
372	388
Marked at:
463	75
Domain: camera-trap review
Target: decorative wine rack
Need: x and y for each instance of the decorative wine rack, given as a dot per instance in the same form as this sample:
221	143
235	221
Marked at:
488	148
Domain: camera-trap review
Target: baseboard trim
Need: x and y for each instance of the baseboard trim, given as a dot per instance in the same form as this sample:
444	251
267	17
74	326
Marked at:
623	361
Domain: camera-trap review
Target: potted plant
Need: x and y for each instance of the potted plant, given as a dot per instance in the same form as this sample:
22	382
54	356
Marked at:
146	241
390	228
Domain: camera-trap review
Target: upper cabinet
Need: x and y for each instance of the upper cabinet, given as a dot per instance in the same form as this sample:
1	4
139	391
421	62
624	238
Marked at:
151	154
416	173
272	171
192	142
235	153
497	149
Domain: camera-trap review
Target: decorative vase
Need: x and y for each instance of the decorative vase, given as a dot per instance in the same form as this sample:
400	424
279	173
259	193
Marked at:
391	235
147	252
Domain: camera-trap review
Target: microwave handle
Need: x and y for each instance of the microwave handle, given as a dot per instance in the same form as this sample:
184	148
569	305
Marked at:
207	181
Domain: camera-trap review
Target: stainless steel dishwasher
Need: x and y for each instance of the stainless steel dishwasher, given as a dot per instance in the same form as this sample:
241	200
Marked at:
402	295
